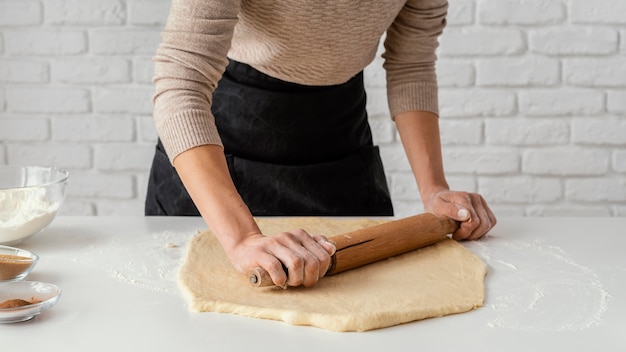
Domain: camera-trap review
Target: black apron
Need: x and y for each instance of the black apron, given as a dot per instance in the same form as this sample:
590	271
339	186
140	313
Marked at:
292	150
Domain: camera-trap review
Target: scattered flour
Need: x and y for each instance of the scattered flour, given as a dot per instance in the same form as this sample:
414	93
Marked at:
24	213
536	287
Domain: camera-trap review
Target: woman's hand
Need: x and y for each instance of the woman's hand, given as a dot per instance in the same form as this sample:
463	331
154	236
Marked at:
470	209
305	257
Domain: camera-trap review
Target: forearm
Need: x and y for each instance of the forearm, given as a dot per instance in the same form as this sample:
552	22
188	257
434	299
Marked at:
204	173
419	132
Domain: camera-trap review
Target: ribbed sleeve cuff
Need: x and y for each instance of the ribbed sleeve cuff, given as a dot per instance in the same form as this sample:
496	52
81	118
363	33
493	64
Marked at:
186	130
413	96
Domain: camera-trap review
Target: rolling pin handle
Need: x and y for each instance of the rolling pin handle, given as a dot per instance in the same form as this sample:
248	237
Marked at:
259	277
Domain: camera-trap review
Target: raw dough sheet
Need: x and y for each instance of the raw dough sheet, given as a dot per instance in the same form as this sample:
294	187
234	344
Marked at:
438	280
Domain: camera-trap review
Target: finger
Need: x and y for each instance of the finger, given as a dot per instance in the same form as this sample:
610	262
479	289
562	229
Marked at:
317	259
484	224
301	255
488	219
326	244
275	268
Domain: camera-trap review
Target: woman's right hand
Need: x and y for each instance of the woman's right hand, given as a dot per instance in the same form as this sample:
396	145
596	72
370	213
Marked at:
306	257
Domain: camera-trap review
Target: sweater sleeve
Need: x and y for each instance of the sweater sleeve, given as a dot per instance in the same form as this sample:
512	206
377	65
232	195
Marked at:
410	57
188	64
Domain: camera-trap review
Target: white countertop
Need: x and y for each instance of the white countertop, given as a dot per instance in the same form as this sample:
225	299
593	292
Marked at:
553	284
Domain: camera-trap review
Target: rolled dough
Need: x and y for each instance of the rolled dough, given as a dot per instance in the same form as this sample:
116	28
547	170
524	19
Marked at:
441	279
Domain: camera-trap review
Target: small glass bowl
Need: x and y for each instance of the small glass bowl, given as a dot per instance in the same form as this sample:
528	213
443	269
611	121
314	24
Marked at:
44	296
30	197
15	263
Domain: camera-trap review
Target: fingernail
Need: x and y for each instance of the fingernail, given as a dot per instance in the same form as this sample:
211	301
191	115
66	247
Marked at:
463	213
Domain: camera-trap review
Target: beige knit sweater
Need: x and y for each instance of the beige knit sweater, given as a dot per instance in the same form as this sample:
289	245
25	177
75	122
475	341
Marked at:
312	42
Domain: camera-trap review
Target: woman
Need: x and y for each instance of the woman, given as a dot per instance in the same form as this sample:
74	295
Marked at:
260	110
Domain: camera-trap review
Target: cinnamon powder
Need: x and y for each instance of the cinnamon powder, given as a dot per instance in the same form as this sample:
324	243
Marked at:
13	265
15	303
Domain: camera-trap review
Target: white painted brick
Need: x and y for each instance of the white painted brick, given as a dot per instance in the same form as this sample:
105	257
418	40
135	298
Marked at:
619	161
123	157
520	189
47	100
72	156
476	102
116	42
93	129
402	209
141	184
520	131
561	102
465	183
574	40
460	12
461	131
500	210
383	130
480	41
520	12
599	131
110	70
404	187
523	71
374	78
148	12
598	11
123	100
147	130
20	13
110	207
24	129
568	210
564	161
75	207
143	69
85	12
90	184
394	159
484	161
619	210
601	189
616	102
23	71
377	104
45	42
605	72
455	73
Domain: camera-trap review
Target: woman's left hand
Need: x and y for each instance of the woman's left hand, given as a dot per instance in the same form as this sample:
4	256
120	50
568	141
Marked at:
470	209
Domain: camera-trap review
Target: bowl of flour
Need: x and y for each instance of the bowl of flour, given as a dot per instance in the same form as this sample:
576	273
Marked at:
30	197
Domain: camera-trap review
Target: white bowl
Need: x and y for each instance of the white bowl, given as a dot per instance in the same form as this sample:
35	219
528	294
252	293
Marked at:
44	295
30	197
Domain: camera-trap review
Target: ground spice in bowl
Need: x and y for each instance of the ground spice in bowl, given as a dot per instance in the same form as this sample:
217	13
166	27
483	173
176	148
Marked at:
16	303
13	265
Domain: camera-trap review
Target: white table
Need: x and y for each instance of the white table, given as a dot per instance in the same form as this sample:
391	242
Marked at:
554	284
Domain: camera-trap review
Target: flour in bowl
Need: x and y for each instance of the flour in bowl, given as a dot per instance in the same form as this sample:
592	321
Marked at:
24	212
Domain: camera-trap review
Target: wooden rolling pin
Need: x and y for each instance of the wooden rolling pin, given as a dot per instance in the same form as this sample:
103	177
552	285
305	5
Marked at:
371	244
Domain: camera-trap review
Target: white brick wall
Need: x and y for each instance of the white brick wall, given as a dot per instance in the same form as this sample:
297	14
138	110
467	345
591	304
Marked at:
533	102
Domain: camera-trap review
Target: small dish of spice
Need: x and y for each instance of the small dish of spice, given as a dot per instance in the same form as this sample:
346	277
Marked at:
23	300
15	263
